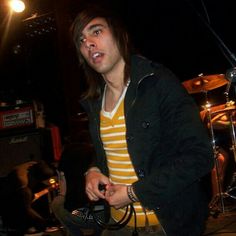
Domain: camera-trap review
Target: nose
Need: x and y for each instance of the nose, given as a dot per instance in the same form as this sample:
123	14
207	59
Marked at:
89	44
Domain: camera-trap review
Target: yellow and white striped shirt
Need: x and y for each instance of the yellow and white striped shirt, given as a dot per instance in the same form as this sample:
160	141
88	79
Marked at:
121	170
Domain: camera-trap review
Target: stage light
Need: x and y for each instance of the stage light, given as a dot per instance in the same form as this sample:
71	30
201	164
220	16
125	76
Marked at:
17	6
39	25
52	181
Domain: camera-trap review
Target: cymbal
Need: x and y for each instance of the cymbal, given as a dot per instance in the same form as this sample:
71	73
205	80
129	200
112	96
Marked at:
205	83
221	120
220	116
225	110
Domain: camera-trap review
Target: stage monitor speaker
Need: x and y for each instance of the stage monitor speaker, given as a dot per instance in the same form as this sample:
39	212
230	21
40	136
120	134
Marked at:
19	148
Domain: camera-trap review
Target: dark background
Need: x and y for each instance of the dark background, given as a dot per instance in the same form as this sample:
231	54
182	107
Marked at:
38	62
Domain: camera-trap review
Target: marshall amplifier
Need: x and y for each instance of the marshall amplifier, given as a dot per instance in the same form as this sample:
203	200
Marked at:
22	147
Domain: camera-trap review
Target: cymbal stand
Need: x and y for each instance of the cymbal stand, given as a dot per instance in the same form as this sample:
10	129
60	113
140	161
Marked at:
219	197
230	188
231	76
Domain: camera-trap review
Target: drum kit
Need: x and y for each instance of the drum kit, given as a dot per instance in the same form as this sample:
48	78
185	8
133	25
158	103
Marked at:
218	118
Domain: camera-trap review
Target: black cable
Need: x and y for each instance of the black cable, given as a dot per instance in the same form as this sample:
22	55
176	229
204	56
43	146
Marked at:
118	225
135	232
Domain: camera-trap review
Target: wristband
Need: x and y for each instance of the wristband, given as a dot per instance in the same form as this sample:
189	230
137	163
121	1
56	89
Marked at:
131	194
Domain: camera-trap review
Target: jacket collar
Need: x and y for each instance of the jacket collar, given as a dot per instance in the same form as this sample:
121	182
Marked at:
140	68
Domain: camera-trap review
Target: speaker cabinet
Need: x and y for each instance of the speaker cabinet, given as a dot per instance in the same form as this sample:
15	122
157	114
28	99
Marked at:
22	147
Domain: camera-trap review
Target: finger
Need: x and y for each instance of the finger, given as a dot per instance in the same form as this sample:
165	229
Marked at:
92	196
109	193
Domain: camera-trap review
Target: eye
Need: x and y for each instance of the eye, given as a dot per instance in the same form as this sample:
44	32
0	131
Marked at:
82	40
97	32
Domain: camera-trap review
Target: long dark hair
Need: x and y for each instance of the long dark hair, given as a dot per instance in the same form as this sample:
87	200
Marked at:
94	79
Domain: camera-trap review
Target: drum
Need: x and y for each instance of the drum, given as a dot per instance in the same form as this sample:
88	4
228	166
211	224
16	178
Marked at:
220	121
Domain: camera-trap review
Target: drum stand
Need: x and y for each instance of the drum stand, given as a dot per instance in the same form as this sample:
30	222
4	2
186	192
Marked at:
218	199
217	204
232	185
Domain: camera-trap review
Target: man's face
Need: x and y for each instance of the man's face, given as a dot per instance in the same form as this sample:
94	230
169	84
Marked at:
98	46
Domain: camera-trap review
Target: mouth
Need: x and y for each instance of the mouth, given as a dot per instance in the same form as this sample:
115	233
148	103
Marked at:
96	56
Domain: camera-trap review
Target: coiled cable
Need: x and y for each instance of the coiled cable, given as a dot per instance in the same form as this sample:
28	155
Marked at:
119	224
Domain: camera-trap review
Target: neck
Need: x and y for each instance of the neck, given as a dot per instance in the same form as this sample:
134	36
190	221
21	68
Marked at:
114	78
113	94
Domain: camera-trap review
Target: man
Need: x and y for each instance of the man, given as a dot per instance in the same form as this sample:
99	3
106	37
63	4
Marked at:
151	147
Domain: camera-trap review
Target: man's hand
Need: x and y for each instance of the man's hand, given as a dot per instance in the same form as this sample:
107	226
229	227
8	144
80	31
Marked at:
93	179
116	195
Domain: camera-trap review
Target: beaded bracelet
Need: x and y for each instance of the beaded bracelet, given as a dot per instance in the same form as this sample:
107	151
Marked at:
131	194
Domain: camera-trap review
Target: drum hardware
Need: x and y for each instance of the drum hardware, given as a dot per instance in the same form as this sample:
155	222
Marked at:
231	76
229	112
232	186
222	116
219	197
217	204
